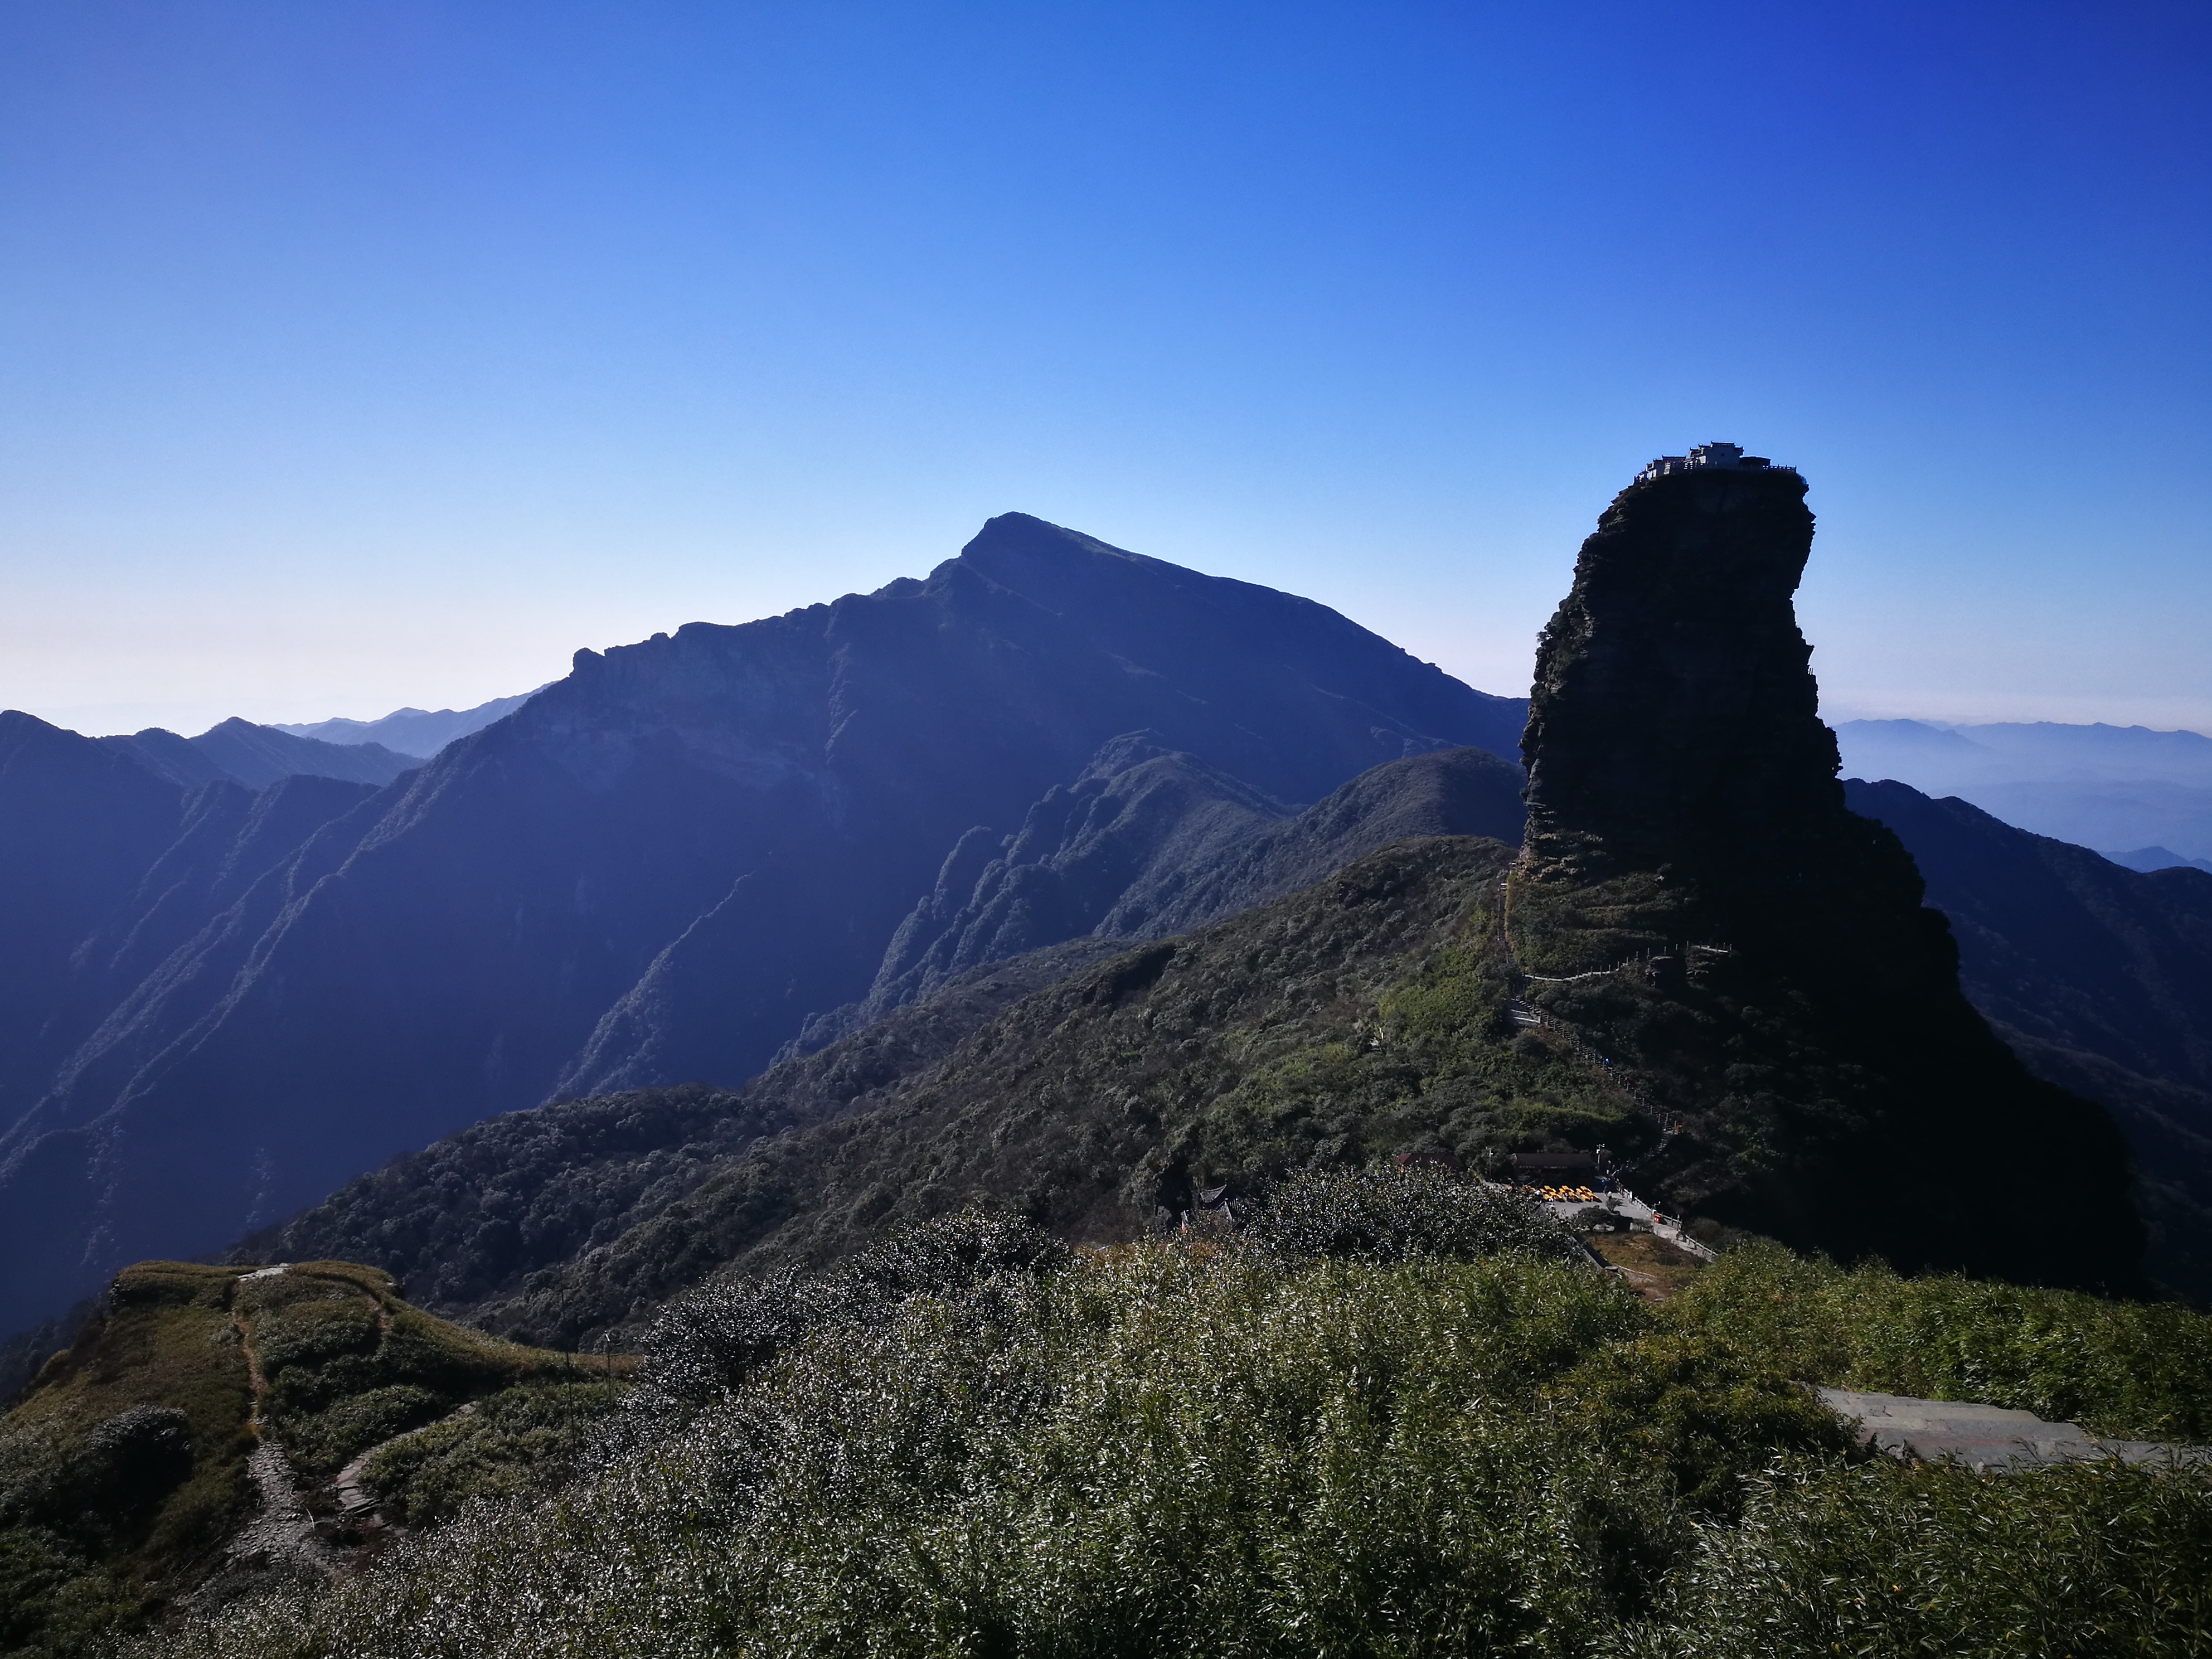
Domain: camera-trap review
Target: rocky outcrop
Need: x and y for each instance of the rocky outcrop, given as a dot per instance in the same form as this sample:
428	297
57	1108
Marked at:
1792	1011
1673	720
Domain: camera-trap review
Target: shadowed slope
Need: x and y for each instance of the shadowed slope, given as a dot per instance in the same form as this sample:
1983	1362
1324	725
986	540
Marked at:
469	1220
2099	977
802	775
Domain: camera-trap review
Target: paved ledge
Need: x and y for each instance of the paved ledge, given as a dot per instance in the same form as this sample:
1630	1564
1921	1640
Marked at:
1986	1437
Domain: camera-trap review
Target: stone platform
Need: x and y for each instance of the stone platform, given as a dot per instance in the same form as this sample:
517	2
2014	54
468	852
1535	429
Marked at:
1986	1437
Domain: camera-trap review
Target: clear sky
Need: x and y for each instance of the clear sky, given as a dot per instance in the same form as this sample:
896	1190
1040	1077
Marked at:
367	352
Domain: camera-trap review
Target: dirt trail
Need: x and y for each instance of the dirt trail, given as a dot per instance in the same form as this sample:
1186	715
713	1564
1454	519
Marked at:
286	1530
283	1534
356	1501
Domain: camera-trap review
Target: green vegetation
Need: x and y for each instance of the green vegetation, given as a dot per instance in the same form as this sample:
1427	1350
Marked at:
1891	1560
123	1468
1825	1082
1364	1016
345	1364
124	1465
1394	1417
517	1441
2125	1370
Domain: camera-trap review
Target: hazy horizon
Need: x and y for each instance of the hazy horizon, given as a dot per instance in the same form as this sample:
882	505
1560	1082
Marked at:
113	719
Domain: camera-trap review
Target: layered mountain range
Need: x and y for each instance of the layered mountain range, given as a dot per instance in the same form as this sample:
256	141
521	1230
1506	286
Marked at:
2146	795
2099	978
894	848
421	732
1069	896
237	751
1716	961
661	867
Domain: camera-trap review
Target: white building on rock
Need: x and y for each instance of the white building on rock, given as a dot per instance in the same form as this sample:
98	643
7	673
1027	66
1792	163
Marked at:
1730	456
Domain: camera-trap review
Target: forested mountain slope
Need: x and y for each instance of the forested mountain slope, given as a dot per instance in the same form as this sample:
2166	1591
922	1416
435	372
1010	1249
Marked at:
2099	977
1740	989
731	821
465	1222
1148	844
469	1220
1364	1015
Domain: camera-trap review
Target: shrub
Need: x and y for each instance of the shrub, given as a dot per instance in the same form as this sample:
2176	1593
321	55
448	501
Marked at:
707	1342
1893	1559
1343	1438
1388	1214
2133	1371
514	1442
1700	1410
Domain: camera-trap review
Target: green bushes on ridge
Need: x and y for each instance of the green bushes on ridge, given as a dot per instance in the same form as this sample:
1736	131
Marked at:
1390	1214
123	1468
2086	1559
347	1364
519	1441
2124	1369
1400	1437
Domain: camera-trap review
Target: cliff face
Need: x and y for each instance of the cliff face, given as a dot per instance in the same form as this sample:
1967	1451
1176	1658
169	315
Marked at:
1673	720
1791	1009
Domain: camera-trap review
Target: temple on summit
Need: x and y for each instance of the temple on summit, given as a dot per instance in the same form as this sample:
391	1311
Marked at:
1704	455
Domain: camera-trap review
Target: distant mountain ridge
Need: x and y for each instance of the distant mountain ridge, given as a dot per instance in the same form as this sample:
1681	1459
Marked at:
2145	860
780	794
2095	786
239	751
419	732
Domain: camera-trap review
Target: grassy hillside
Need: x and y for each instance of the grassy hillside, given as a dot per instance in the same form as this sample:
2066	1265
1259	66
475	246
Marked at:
123	1466
1396	1416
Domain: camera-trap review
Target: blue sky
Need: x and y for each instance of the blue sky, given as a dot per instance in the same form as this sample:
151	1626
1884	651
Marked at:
353	354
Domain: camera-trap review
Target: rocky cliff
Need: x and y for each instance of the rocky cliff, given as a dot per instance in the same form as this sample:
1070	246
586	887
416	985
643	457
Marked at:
1788	1005
1672	718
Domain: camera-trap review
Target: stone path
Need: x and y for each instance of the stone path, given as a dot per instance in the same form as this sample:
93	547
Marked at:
357	1499
1985	1438
283	1532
